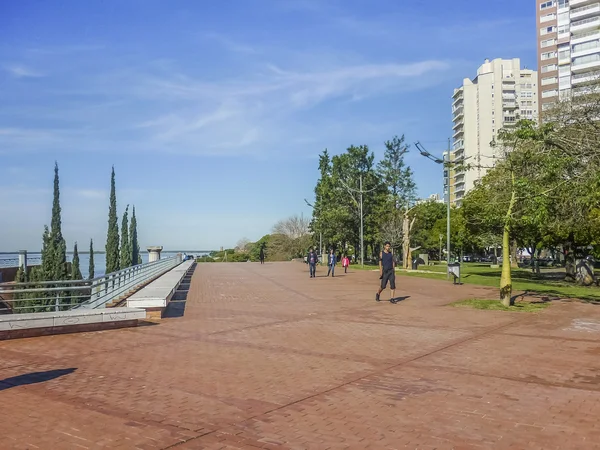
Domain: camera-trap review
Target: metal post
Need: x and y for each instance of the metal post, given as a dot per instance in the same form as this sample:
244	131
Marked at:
321	246
448	208
362	244
23	260
440	248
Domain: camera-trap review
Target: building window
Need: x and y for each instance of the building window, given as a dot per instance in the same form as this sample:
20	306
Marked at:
563	3
547	43
586	46
549	68
549	80
586	59
546	5
547	30
550	93
547	17
548	55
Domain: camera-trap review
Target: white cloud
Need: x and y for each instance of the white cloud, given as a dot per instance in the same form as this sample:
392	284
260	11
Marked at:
20	71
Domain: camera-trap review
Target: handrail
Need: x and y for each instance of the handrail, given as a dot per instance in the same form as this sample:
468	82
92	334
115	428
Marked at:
73	294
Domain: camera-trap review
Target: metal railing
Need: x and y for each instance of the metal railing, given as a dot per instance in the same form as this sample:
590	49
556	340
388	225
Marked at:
43	296
14	262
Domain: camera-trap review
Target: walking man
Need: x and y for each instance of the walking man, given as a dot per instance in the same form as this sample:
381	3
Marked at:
311	259
387	272
331	263
262	255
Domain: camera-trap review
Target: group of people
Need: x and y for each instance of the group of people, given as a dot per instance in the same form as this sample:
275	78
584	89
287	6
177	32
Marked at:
312	259
387	268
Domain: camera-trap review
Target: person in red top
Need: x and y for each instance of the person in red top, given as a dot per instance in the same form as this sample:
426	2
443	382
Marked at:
345	263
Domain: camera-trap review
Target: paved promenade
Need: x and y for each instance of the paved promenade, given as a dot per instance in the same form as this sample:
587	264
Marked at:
264	357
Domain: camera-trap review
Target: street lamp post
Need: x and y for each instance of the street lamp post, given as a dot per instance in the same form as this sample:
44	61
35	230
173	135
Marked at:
360	205
320	234
447	163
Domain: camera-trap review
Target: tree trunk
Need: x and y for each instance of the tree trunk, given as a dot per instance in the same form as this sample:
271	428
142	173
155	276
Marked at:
506	280
513	253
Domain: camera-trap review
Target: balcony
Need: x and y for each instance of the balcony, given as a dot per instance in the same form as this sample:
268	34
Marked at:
458	124
585	11
581	2
585	77
458	113
592	22
458	133
586	48
586	63
585	37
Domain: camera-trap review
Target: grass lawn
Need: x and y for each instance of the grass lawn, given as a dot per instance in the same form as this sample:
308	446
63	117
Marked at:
549	283
497	306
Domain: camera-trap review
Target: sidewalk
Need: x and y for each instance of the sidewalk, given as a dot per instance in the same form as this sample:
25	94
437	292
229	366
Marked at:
265	357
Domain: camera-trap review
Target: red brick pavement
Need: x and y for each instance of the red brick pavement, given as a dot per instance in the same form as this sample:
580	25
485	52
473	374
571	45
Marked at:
265	357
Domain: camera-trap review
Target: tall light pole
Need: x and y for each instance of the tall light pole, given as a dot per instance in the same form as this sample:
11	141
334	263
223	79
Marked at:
320	234
447	163
360	204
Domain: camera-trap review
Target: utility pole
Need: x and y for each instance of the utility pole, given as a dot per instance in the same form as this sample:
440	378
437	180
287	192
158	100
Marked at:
448	207
447	164
359	203
320	233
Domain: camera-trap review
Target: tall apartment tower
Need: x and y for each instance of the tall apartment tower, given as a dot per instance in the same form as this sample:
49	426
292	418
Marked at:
568	47
500	95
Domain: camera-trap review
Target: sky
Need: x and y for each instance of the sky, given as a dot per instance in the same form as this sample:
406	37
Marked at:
214	113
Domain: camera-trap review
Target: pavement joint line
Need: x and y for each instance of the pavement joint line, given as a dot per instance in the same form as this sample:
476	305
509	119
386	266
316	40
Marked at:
539	382
373	373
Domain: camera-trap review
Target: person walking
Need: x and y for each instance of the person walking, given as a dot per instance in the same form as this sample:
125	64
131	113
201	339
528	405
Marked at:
387	272
312	259
331	261
345	263
262	255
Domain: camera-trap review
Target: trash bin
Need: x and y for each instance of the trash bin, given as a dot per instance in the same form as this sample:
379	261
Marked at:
415	265
454	270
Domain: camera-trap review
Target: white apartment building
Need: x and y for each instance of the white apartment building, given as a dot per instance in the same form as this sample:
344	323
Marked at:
501	94
568	47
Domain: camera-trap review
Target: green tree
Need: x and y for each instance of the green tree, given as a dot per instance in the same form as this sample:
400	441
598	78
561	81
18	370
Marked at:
126	250
398	214
112	238
57	243
92	266
75	269
136	257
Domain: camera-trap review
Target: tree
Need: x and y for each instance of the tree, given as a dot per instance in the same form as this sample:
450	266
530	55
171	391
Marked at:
401	195
112	238
75	270
293	227
136	258
291	238
91	267
242	245
57	245
126	250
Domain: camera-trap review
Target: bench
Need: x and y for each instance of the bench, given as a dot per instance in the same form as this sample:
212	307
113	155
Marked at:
155	297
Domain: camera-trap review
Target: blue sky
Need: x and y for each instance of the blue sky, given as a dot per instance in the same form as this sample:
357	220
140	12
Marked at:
214	113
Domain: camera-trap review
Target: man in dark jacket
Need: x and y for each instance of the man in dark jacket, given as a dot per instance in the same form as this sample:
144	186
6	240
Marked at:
312	259
331	260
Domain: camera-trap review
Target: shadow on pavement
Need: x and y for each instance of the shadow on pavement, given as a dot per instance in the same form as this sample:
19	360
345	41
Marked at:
33	378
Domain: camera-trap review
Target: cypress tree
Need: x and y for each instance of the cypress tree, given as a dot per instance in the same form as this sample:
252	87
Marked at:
92	267
57	252
20	276
75	270
47	257
125	244
112	238
133	240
